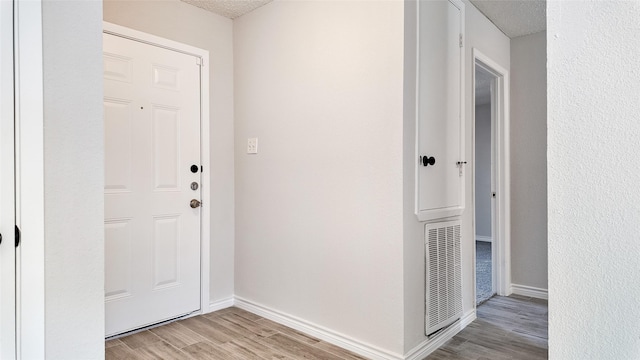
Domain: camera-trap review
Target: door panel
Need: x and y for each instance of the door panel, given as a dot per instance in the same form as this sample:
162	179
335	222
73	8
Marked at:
439	186
118	258
152	137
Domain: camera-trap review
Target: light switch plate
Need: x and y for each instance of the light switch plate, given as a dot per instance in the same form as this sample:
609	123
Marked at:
252	146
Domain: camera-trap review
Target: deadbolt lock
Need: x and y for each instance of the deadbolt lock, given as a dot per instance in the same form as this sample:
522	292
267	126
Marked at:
194	203
194	186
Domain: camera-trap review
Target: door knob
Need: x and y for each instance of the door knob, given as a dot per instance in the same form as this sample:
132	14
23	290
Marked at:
194	203
428	160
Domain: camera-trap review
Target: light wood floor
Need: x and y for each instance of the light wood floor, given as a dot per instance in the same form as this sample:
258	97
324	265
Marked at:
507	328
227	334
513	327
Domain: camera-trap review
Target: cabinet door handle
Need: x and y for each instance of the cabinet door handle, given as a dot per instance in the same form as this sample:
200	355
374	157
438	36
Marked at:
428	160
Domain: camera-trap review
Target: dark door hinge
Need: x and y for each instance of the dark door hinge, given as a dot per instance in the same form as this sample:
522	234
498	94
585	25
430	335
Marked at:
17	236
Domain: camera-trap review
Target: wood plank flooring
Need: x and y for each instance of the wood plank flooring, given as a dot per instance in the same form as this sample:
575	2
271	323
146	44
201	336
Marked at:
513	327
226	334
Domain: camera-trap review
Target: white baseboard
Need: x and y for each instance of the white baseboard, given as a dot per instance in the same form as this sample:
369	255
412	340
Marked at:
530	291
430	345
484	238
220	304
330	336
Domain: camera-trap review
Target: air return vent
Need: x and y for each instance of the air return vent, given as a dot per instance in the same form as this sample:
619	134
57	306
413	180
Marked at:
443	275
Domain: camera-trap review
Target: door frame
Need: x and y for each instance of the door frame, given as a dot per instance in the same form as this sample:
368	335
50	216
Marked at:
29	153
501	204
7	183
205	224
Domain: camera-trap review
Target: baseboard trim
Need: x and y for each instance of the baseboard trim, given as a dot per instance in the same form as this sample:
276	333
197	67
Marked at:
221	304
484	238
430	345
530	291
330	336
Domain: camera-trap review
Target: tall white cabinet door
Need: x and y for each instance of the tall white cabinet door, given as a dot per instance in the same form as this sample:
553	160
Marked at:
152	157
7	187
439	163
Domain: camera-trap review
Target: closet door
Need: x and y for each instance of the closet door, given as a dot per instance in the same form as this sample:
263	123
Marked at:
7	187
440	130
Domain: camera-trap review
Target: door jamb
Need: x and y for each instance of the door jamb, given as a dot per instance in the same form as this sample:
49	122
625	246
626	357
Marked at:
205	226
502	218
7	183
29	145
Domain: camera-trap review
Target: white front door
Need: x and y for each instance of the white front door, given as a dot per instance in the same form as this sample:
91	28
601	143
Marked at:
152	174
7	187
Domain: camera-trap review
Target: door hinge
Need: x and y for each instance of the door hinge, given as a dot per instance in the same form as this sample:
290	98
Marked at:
17	236
199	61
459	164
461	40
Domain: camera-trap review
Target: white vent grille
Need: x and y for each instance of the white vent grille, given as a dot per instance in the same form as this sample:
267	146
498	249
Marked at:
443	275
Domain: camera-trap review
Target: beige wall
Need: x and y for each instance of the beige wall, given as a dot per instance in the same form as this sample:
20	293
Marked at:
319	208
178	21
529	160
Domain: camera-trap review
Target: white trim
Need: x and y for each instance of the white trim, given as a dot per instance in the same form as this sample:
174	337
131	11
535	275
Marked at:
221	304
367	350
205	231
430	345
530	291
131	34
30	181
502	218
7	184
484	238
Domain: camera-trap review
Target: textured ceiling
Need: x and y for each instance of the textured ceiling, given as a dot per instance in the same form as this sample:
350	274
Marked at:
515	17
228	8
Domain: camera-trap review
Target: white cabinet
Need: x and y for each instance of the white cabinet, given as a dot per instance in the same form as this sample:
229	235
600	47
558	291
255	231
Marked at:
439	109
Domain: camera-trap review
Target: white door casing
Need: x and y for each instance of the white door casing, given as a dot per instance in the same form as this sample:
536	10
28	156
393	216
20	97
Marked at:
152	140
501	219
7	186
439	123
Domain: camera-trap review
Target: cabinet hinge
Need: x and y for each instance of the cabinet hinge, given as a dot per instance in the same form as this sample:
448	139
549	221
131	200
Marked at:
18	234
461	40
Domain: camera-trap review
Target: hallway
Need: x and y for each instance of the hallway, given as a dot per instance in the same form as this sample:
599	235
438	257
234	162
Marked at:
514	327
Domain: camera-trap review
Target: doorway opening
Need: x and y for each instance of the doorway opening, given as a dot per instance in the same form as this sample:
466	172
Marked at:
491	178
483	187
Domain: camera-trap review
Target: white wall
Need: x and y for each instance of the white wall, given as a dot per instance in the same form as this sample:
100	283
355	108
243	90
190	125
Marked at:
485	36
593	175
483	170
529	160
319	208
73	180
176	20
